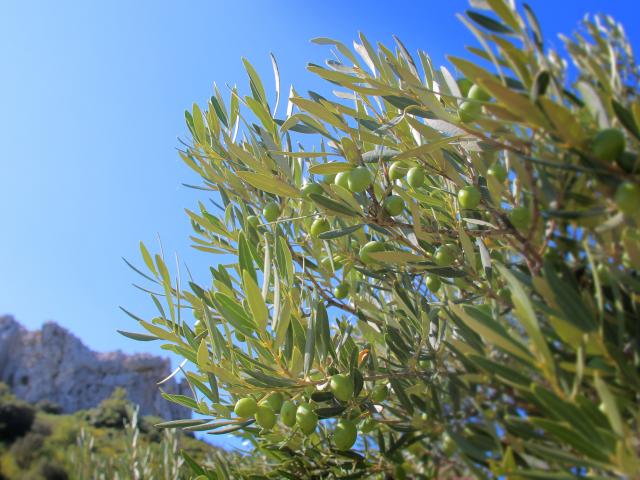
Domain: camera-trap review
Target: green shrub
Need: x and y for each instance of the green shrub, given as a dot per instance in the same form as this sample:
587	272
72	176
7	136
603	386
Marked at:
48	406
16	418
521	361
112	412
27	448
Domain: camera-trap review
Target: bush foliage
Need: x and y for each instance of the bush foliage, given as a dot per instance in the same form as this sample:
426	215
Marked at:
444	284
60	447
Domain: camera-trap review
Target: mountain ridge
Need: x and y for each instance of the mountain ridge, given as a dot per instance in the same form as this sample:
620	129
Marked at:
53	364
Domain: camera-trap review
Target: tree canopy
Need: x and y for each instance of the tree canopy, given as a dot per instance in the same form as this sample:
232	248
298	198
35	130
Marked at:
431	273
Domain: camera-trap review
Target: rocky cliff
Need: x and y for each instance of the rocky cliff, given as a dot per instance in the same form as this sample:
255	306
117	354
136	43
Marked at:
52	364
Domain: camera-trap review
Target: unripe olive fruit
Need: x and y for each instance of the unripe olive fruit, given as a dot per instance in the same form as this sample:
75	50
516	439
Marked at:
477	93
338	262
520	217
344	435
306	418
469	111
608	145
394	205
465	85
380	393
368	425
245	407
265	417
275	401
433	283
359	179
310	188
628	161
342	179
398	170
370	247
415	177
341	290
288	413
444	255
469	197
627	197
498	172
329	178
199	327
342	386
319	226
271	211
240	337
253	221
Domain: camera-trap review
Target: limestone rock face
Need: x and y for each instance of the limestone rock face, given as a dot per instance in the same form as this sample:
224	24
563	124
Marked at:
53	364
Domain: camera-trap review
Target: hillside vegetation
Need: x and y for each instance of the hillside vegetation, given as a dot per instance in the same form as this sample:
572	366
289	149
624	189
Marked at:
107	442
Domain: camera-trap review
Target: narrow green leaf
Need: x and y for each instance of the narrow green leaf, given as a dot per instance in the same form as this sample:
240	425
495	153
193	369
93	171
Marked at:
256	302
269	184
529	320
330	168
137	336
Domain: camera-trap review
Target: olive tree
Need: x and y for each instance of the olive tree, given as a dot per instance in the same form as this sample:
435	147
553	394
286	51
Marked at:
429	273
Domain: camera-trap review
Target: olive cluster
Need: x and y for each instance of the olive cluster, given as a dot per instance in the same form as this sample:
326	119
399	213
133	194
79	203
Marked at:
302	415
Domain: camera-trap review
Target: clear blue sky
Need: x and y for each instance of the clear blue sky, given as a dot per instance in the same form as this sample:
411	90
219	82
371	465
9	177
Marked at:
92	96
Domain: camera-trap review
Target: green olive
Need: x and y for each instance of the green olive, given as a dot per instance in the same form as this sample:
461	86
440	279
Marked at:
199	327
627	197
245	407
271	212
469	197
370	247
342	386
275	401
338	262
306	418
398	170
477	93
368	425
344	435
319	226
380	393
465	85
393	204
359	179
445	255
341	290
520	217
498	172
469	111
288	413
608	145
342	179
265	417
433	283
310	188
415	177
